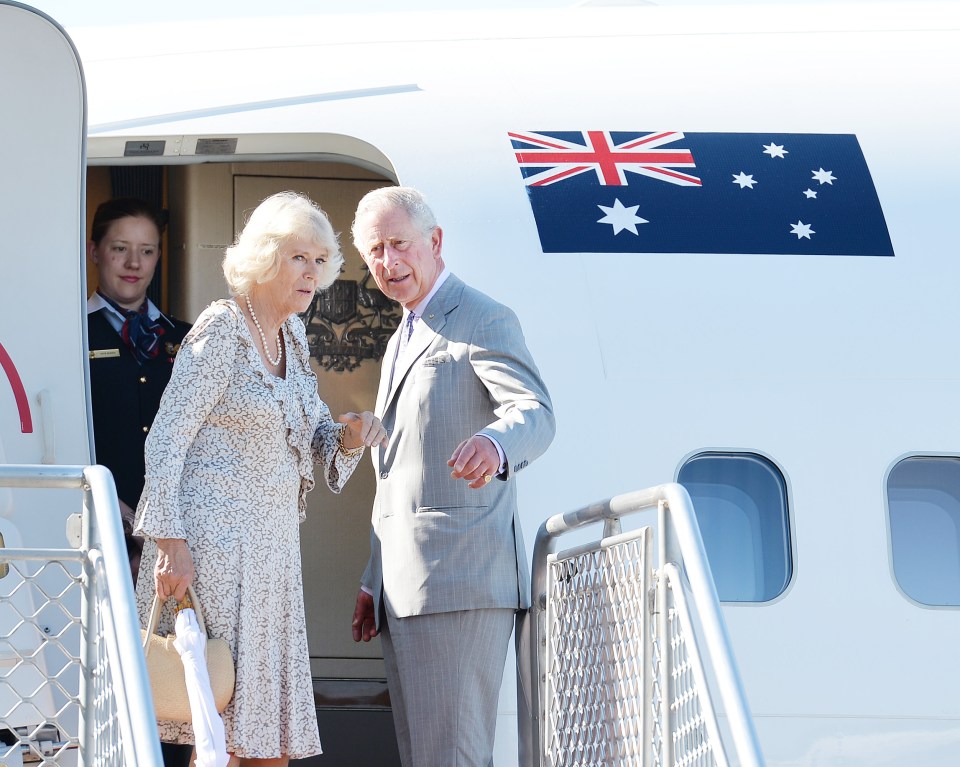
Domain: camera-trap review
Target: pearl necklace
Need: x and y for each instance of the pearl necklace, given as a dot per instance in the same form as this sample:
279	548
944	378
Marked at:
263	338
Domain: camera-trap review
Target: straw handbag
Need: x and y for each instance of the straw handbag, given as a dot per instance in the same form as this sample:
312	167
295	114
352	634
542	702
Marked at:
166	669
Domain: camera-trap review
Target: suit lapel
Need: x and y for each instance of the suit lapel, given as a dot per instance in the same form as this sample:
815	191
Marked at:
421	339
387	372
429	327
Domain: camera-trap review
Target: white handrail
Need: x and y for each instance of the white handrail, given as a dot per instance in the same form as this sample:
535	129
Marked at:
684	548
679	543
103	551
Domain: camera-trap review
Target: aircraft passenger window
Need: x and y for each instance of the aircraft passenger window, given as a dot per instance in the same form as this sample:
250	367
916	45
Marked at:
740	500
923	501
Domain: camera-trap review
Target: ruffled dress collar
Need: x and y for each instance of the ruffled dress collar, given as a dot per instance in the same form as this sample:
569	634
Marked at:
296	393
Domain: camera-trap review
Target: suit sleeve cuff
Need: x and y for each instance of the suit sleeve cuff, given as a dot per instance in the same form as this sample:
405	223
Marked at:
503	458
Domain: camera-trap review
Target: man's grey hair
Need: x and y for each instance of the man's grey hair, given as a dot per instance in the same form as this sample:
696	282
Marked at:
406	198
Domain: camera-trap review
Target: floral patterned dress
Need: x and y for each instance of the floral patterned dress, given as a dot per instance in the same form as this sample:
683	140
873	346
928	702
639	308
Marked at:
229	461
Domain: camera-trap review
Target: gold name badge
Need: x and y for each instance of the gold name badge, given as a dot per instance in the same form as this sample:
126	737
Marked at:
99	354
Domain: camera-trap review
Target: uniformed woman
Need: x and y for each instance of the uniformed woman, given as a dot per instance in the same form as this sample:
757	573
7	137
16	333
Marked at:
132	347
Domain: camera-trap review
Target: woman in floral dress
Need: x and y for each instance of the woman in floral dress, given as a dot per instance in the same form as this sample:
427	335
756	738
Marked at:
229	460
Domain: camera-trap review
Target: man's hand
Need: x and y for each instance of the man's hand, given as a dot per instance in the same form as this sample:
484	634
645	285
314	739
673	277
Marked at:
475	460
362	430
364	620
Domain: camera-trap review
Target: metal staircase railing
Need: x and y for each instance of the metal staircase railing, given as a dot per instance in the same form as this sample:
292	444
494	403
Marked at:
73	681
625	661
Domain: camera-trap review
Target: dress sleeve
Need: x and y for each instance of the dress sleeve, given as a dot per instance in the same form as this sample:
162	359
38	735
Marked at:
326	452
201	374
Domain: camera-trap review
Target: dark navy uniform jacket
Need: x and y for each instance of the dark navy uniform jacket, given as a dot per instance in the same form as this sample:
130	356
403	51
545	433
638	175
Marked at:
126	396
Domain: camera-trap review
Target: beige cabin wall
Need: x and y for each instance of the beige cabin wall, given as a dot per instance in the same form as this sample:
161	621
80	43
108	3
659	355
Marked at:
208	204
201	227
98	191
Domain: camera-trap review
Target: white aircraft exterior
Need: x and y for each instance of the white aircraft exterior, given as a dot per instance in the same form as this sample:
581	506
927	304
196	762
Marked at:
826	382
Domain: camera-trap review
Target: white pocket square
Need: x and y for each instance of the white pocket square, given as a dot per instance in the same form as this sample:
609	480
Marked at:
438	359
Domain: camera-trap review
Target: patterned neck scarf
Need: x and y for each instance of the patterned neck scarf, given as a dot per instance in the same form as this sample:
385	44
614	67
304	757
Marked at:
140	333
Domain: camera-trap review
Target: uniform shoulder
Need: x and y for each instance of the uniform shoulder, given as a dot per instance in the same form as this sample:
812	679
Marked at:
178	328
97	322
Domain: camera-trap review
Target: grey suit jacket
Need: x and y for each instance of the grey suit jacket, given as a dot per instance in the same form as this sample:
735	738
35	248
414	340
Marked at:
436	544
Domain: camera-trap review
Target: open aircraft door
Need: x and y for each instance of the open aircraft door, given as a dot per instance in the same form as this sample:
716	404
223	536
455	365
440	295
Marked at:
43	415
43	411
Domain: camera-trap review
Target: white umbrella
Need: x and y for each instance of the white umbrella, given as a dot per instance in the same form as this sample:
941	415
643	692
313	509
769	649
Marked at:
191	643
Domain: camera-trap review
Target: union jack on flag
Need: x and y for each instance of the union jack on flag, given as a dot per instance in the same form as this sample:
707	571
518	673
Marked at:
602	191
598	152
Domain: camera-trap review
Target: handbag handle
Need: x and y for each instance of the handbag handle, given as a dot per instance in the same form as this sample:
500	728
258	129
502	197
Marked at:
155	617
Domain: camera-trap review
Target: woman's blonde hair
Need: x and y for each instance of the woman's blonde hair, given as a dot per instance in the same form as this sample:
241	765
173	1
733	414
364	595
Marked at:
255	256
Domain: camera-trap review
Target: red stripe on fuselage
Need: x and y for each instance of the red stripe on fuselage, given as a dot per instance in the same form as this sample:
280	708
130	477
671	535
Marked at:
19	394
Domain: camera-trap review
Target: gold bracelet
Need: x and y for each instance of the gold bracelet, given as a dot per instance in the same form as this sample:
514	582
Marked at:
348	452
185	604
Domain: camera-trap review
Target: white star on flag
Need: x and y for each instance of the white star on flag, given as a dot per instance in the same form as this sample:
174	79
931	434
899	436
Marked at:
744	180
809	194
801	230
620	217
824	176
775	150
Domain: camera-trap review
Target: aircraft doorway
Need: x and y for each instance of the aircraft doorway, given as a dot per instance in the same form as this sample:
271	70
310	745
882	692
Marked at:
348	328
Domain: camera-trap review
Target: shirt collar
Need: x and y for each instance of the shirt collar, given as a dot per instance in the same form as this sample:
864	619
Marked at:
418	309
95	303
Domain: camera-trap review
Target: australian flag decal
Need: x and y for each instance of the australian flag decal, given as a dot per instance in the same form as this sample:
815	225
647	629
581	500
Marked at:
669	192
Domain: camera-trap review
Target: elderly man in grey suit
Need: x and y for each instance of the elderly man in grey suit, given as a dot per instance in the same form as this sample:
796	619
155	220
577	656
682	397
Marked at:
466	411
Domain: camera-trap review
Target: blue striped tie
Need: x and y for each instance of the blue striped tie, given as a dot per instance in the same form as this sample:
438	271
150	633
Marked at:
139	332
407	331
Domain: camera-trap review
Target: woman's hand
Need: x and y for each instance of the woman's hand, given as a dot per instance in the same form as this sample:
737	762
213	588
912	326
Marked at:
174	569
362	429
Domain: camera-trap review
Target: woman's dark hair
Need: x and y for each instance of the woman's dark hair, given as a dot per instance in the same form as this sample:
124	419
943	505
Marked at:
123	207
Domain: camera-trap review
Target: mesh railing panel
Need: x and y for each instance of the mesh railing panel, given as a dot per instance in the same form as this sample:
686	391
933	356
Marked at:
629	665
687	726
40	659
595	655
41	667
657	697
691	741
74	688
106	742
